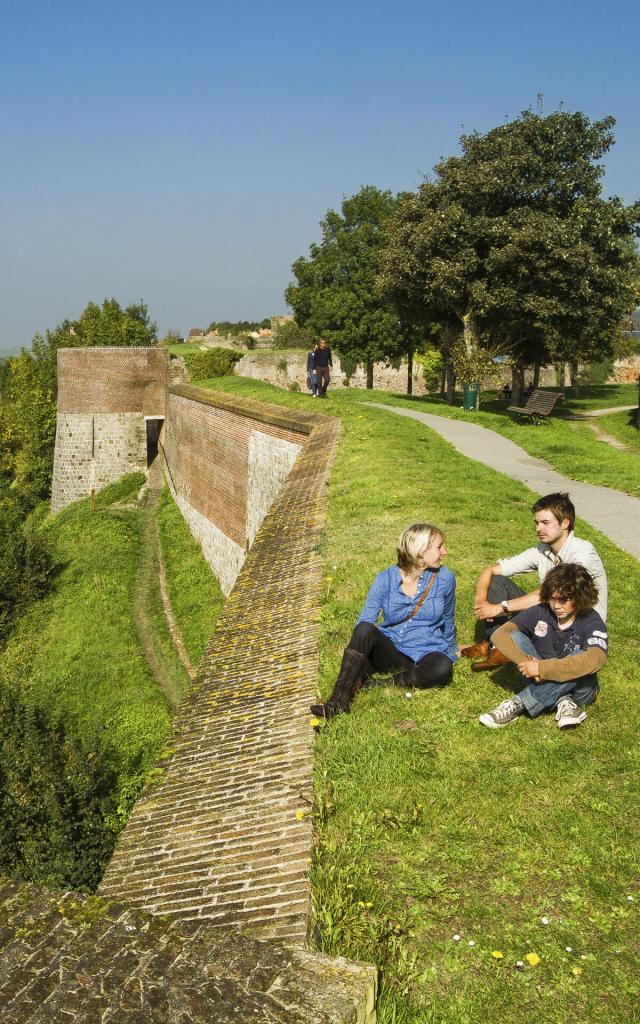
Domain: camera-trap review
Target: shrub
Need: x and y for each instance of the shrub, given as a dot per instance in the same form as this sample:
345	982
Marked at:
215	362
59	835
25	563
291	335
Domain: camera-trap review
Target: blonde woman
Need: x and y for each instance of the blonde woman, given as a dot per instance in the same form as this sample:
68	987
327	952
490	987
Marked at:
416	638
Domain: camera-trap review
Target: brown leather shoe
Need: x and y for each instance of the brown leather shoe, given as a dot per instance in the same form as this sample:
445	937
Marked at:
479	650
495	659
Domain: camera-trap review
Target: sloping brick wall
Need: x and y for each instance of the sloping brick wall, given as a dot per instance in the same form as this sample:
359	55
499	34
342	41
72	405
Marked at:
226	836
225	462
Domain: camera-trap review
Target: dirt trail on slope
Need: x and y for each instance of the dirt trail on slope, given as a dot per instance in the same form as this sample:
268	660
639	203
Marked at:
151	574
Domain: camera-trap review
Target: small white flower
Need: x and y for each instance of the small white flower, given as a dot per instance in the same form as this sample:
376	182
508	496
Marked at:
630	898
544	920
129	928
456	938
472	942
569	949
583	956
408	695
519	964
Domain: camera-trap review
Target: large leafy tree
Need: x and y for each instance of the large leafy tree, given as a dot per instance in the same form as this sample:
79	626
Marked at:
28	389
335	295
512	244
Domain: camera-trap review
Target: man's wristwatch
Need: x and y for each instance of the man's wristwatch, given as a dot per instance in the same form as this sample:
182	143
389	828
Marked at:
505	607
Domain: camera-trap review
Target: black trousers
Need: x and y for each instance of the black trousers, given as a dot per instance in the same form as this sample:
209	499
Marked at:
434	669
322	373
501	588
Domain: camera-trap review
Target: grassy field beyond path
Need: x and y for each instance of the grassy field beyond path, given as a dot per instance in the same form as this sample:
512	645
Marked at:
449	854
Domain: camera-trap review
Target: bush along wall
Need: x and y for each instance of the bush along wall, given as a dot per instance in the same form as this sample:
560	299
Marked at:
215	362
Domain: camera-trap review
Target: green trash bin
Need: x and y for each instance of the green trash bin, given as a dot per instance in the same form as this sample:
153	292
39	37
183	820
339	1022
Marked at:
471	397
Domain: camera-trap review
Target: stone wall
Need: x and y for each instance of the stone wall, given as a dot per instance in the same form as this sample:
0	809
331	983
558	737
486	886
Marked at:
286	368
105	396
626	371
93	451
225	467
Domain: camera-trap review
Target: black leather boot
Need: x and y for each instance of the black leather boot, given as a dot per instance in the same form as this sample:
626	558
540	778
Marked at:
346	686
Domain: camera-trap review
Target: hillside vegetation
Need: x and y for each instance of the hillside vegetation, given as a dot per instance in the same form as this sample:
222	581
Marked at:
82	716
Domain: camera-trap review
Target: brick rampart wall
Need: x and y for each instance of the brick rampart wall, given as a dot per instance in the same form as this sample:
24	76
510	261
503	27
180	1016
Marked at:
226	836
225	468
117	379
104	395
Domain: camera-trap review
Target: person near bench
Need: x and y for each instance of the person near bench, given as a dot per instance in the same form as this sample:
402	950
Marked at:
416	639
558	646
498	597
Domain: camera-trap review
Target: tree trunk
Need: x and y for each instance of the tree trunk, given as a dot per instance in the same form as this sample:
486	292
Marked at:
451	383
470	336
517	384
410	371
575	383
443	378
560	378
536	376
369	373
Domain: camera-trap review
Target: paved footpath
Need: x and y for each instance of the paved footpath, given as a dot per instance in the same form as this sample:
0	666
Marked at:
615	514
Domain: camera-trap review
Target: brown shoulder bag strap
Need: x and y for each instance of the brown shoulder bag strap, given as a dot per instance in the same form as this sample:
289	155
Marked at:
423	598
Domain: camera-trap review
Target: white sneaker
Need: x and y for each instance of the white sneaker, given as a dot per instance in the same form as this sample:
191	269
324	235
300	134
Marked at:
569	713
505	713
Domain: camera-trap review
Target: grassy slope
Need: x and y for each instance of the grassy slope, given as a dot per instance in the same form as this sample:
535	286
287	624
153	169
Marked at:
431	826
195	595
78	652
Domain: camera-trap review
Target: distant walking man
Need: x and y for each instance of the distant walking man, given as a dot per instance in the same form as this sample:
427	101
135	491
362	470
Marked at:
498	597
321	362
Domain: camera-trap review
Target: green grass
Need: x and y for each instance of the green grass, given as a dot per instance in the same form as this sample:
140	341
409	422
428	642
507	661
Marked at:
194	592
569	445
429	825
95	656
78	651
602	396
622	425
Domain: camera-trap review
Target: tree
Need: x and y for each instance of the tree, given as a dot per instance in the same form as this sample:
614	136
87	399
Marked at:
29	387
512	245
291	335
335	294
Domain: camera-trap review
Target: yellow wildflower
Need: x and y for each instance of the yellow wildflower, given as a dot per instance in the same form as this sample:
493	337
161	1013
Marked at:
533	959
299	815
497	955
576	971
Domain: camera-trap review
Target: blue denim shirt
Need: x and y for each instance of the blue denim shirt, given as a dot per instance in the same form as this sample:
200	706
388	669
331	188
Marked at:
431	629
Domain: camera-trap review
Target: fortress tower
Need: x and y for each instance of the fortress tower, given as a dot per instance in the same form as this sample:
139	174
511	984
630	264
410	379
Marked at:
111	407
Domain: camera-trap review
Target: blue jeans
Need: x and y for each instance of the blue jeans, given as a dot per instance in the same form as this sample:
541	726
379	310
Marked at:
539	697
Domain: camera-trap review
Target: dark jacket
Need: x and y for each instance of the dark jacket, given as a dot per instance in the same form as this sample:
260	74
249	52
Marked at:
322	358
563	654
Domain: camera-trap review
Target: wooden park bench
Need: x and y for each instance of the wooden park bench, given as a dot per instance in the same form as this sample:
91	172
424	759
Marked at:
539	405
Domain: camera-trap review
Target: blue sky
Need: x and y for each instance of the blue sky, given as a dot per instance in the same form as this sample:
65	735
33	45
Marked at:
184	153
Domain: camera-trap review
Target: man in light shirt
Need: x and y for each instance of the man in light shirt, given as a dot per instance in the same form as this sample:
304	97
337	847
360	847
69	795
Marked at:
498	597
